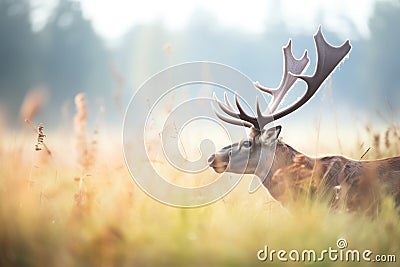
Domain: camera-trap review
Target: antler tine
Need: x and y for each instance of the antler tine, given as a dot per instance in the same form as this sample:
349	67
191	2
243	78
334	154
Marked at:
229	110
244	116
241	118
227	103
291	65
233	121
328	58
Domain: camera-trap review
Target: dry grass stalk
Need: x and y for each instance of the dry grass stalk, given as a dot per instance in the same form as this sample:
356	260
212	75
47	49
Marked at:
86	150
80	118
34	100
40	144
119	81
365	153
384	143
377	141
387	139
40	138
83	196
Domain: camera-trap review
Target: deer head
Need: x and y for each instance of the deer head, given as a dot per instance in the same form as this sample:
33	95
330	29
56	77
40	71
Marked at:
259	147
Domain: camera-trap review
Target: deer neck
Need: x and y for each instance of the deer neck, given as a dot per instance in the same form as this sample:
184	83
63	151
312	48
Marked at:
284	155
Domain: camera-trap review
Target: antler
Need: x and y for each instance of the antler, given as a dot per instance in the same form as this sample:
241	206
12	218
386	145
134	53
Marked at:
291	65
328	58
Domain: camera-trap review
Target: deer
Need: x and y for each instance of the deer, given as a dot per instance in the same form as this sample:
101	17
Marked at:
288	174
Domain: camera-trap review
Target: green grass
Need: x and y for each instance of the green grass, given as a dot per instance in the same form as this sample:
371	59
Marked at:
114	223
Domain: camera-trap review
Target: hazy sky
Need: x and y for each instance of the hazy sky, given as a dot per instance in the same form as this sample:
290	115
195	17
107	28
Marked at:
113	18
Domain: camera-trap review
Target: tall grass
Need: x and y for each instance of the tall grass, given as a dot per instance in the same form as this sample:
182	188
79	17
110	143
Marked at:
42	223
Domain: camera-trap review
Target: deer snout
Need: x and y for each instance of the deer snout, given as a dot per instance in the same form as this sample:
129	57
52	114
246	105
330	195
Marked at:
211	159
219	161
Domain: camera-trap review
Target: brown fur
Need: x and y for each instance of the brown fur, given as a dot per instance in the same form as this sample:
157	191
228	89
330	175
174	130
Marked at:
357	184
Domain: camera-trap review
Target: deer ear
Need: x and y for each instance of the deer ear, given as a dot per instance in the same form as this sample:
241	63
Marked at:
269	136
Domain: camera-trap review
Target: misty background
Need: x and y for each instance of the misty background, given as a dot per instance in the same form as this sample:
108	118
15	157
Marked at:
58	49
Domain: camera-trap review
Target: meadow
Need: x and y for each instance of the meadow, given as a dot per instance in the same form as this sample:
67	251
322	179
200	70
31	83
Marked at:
67	199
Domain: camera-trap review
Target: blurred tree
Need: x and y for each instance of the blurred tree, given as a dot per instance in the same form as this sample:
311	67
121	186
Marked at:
75	58
141	53
18	53
66	56
69	57
380	60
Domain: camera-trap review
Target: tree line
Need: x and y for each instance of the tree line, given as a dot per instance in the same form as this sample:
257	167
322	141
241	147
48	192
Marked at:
67	56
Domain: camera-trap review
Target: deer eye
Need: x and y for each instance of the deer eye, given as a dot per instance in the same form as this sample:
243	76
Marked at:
247	144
